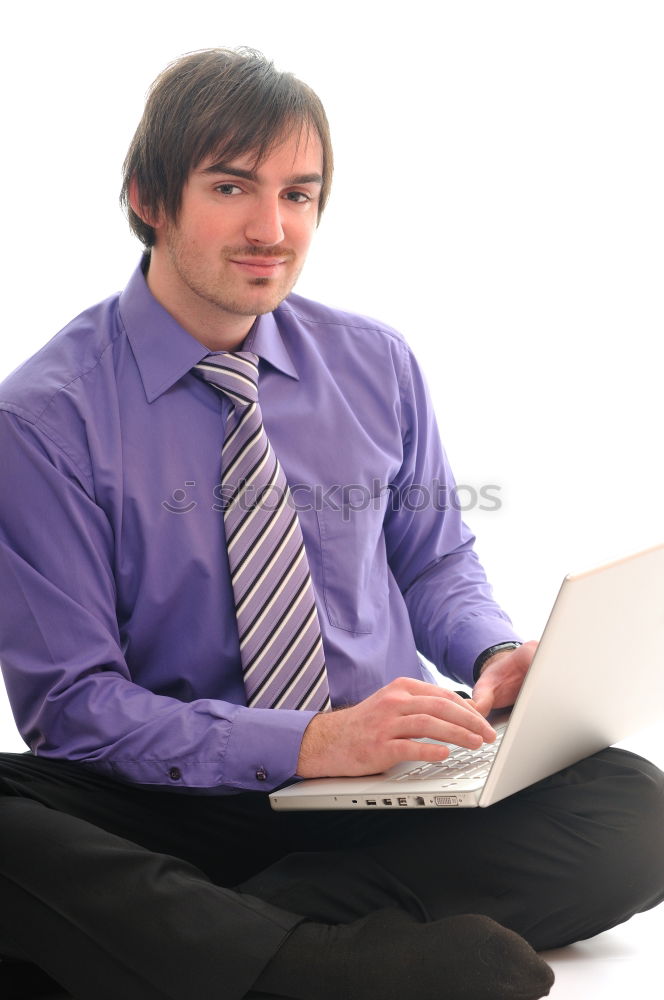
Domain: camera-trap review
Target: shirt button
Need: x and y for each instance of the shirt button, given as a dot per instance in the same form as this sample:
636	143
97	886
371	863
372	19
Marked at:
175	773
261	774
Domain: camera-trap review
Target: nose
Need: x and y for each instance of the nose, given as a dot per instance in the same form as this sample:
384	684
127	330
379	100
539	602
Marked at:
264	227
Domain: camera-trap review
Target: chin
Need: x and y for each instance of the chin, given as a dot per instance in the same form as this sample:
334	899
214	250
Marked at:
265	303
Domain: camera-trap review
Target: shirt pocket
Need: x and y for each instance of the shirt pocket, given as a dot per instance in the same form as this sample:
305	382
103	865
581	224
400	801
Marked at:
354	564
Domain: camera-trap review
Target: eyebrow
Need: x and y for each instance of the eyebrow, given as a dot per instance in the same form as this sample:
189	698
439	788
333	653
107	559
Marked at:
251	175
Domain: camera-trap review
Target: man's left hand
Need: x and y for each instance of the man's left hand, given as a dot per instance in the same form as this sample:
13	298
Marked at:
502	676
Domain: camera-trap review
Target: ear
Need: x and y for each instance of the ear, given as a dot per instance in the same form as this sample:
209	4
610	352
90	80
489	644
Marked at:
138	208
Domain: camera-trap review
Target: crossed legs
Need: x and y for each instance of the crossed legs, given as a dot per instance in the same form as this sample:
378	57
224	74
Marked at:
112	888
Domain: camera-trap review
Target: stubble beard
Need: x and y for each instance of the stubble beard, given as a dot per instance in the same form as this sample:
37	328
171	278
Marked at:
218	293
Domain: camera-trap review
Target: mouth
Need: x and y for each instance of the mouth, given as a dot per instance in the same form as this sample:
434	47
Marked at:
259	267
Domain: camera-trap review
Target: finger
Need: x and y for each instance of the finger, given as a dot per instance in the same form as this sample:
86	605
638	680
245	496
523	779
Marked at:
448	711
484	701
412	750
424	688
414	726
466	701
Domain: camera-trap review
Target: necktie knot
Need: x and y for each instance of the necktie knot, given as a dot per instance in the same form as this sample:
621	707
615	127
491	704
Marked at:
233	373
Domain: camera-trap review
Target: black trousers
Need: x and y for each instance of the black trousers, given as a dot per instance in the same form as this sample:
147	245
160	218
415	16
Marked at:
117	890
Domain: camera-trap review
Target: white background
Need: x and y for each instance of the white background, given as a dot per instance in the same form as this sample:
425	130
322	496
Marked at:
498	197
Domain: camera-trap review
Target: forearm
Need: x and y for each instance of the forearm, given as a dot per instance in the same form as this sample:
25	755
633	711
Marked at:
210	747
451	607
74	693
454	616
99	717
73	698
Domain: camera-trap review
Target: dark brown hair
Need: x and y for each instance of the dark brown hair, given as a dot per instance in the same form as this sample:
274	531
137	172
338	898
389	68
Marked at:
220	102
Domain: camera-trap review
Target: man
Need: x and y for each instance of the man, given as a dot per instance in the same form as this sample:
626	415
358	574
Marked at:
177	622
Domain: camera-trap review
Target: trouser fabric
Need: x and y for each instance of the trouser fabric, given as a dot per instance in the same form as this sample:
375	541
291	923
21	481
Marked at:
116	889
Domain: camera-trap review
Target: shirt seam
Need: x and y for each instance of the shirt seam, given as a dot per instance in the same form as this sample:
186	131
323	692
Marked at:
48	434
348	322
405	378
479	614
40	422
182	758
37	416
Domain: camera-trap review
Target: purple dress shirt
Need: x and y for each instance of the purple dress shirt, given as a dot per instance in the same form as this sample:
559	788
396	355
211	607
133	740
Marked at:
118	638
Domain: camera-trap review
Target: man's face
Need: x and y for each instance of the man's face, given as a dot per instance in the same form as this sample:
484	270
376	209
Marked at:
241	237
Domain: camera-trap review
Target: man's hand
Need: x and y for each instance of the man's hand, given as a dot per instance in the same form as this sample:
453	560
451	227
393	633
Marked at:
381	730
501	678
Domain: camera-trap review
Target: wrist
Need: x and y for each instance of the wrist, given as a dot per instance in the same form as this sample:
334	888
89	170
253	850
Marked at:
491	651
314	748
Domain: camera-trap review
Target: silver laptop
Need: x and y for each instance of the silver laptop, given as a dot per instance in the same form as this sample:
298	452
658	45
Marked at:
597	677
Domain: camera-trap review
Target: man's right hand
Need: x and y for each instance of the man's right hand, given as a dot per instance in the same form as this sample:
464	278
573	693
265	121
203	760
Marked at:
383	729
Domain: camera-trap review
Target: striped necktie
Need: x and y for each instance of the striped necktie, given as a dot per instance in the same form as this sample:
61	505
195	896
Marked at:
280	642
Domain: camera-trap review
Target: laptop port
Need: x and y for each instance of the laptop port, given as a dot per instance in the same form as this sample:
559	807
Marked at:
402	801
420	800
371	802
387	802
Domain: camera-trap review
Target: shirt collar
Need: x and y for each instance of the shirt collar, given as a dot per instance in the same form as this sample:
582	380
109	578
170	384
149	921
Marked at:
265	340
165	352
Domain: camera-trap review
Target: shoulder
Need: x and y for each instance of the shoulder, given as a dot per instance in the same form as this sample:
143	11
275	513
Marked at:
326	321
378	355
64	365
368	359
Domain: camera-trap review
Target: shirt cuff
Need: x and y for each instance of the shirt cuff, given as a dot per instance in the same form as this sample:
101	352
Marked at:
263	747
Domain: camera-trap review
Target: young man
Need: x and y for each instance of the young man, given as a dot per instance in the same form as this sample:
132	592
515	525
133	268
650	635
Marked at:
212	532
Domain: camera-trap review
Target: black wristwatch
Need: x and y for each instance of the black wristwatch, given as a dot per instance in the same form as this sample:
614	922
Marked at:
488	653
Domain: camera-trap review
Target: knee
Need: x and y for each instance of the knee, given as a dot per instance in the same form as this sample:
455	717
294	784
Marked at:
627	873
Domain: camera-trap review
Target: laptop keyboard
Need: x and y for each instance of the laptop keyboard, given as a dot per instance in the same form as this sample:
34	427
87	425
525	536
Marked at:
462	765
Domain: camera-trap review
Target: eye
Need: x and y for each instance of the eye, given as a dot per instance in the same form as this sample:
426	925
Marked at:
228	189
299	197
